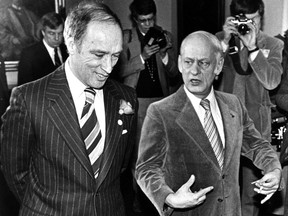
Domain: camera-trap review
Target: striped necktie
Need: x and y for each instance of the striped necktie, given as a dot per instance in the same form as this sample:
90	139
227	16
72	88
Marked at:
212	132
91	132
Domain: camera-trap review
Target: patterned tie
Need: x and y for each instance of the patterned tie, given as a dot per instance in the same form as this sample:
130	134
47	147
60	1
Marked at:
56	58
91	132
212	132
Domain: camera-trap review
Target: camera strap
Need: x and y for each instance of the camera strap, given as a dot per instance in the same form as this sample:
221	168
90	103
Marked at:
234	53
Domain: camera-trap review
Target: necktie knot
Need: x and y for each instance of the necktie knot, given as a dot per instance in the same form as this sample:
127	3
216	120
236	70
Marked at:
90	95
205	103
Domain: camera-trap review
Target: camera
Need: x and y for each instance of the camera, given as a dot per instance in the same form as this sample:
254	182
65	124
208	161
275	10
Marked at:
155	36
241	22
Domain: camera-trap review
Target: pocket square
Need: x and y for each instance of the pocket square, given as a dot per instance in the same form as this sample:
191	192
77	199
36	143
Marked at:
124	131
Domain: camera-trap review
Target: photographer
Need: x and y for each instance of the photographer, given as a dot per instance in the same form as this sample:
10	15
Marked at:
252	67
147	64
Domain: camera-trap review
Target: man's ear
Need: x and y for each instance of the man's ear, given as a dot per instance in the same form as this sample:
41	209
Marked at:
71	46
180	64
219	66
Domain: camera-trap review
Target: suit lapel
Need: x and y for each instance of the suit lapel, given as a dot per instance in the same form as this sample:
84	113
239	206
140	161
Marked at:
229	118
63	115
113	129
189	121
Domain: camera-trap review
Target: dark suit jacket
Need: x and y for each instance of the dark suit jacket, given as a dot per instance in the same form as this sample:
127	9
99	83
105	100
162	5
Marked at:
35	62
174	146
44	156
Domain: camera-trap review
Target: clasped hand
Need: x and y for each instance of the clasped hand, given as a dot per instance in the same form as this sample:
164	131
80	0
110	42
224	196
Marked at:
185	198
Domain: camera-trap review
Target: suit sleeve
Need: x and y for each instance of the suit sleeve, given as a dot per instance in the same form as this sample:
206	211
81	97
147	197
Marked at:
171	66
268	70
16	138
151	161
257	149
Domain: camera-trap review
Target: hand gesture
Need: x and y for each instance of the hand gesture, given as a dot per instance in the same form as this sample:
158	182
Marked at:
148	51
268	184
185	198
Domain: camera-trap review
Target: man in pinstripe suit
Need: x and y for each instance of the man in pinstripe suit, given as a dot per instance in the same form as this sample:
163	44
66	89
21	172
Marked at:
43	153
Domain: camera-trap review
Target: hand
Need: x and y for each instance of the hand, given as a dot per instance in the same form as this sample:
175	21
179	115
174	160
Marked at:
184	198
163	51
229	28
249	39
148	51
268	184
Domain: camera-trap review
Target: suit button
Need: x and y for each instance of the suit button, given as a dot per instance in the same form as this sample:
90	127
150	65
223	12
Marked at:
223	176
220	200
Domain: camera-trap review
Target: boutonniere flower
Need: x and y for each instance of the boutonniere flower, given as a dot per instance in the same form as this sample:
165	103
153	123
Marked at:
125	108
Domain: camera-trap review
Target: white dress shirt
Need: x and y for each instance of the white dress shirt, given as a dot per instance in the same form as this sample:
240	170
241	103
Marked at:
214	110
77	90
52	53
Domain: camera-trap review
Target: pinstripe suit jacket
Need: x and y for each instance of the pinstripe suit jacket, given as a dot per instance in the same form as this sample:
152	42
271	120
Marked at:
43	153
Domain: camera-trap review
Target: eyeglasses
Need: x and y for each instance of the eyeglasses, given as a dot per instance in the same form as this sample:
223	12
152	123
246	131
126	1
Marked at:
144	21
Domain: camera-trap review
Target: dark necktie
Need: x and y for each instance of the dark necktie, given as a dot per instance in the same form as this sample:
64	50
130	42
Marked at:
212	132
91	131
56	58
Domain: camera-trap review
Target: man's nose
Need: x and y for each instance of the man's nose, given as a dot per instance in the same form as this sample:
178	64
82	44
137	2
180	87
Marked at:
107	64
58	37
195	69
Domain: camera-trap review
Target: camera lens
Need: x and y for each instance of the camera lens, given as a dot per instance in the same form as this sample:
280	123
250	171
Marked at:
243	29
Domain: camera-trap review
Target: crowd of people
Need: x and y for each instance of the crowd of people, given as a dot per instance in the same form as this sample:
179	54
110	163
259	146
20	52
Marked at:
77	140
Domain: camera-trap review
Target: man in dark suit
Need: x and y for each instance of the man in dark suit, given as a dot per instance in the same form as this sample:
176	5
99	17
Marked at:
45	56
189	153
63	158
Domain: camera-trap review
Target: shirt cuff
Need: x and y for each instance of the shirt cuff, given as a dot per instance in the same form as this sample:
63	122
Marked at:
253	55
224	46
165	59
142	60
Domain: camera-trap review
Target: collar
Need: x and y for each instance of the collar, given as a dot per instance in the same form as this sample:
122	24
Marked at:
196	101
49	48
